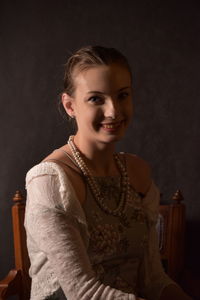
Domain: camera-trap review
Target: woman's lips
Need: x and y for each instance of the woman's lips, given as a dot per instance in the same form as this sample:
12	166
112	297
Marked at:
111	126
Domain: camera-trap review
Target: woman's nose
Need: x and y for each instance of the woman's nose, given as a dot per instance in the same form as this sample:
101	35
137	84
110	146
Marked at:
112	109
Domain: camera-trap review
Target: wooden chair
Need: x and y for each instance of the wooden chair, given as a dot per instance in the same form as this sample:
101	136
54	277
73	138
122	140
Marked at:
18	282
171	237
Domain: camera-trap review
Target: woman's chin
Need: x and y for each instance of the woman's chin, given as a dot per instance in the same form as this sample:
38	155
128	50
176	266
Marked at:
112	137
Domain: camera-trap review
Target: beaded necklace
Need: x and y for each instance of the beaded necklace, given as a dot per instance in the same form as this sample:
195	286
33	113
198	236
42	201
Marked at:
99	198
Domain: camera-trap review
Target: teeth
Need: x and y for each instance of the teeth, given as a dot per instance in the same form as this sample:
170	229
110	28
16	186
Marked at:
109	126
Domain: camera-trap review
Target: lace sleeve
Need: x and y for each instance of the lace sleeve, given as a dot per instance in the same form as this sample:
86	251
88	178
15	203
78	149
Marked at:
56	223
153	279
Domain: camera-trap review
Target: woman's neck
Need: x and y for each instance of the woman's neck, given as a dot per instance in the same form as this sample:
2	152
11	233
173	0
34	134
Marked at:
98	156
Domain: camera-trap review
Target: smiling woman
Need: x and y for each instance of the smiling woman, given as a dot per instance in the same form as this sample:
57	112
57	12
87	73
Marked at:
91	212
101	103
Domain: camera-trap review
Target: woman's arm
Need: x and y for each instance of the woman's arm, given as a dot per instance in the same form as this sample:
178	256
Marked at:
58	234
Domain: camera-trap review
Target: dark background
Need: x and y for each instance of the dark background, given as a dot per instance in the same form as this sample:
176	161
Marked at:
162	42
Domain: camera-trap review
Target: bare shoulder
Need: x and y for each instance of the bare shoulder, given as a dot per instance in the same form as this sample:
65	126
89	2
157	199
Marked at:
139	172
138	164
62	156
57	154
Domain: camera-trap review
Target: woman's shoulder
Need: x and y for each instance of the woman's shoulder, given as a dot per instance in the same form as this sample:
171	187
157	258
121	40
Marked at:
62	157
52	186
138	164
56	163
67	168
50	165
139	172
136	161
45	168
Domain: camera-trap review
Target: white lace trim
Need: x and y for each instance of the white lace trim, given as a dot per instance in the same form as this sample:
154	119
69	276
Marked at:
70	202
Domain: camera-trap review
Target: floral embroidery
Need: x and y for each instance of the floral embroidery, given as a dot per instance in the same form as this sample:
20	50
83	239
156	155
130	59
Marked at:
110	188
105	239
96	217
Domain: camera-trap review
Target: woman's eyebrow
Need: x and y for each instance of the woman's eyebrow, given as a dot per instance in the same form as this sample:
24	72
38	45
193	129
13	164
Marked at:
124	88
102	93
95	92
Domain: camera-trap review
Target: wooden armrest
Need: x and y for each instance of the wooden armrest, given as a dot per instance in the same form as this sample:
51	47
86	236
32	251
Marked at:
10	284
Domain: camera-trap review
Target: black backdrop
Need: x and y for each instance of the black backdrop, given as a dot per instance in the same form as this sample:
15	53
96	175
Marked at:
161	40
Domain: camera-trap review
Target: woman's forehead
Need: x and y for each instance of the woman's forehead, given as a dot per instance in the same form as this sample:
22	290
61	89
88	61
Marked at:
103	77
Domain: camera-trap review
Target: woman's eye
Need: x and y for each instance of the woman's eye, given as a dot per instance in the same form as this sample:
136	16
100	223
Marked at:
95	99
123	95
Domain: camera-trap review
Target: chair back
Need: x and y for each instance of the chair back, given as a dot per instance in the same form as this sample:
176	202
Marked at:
18	280
172	236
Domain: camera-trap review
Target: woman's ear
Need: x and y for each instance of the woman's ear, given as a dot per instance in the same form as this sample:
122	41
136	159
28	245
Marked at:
67	102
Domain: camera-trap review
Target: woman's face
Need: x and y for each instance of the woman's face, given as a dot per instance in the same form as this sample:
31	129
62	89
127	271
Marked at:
102	102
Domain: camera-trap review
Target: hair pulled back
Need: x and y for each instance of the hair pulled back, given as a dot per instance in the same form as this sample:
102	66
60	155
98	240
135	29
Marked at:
88	57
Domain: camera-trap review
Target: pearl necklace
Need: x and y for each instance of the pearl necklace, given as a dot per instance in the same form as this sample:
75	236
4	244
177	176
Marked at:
124	197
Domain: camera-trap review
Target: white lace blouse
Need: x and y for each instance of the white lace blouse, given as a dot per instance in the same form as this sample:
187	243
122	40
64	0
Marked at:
58	240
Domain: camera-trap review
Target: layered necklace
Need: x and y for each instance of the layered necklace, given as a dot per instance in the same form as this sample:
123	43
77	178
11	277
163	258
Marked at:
94	187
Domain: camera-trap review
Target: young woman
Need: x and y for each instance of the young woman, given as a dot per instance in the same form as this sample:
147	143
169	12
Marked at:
91	212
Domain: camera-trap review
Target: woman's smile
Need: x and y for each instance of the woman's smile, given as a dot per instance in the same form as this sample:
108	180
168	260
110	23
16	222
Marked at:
112	127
